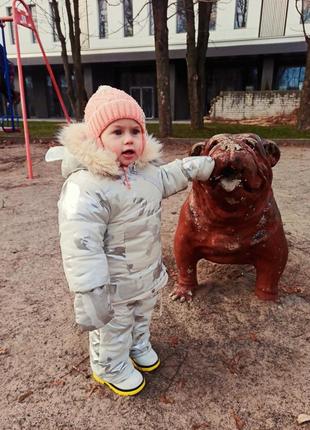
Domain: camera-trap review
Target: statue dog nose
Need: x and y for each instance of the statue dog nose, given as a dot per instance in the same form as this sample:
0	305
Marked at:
231	146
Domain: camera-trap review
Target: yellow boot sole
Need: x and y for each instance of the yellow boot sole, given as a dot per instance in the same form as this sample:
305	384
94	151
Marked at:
117	390
146	368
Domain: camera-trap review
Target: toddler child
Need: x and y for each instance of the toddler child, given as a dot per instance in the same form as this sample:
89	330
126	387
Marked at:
109	220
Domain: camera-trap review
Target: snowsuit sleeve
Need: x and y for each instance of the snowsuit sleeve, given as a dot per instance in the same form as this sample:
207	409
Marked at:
173	178
175	175
83	218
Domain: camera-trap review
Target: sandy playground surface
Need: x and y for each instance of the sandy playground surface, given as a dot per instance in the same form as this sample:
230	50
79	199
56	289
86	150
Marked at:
229	361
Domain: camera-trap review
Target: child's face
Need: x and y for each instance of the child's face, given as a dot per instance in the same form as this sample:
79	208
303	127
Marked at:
123	137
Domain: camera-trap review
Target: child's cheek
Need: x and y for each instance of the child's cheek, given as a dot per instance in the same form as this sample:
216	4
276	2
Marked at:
140	148
113	146
115	151
118	149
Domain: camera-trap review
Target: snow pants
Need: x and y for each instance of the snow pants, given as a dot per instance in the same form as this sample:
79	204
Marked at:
126	335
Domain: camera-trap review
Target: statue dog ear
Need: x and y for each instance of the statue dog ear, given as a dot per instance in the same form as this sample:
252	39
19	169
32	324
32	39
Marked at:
272	151
197	149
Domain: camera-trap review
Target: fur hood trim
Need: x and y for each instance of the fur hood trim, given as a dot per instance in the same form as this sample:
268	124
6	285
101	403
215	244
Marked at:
100	161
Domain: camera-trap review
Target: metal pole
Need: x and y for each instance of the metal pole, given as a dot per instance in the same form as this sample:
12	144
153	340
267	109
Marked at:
7	80
22	95
50	71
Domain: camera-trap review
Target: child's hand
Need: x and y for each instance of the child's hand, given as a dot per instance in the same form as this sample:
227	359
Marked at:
93	309
198	168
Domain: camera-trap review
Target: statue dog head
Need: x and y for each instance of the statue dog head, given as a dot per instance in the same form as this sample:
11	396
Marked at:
243	168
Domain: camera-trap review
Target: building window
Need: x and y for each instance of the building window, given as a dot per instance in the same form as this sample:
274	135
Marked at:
241	13
145	97
128	18
290	78
181	16
33	13
30	97
306	11
151	17
12	38
54	30
212	23
53	106
249	75
103	19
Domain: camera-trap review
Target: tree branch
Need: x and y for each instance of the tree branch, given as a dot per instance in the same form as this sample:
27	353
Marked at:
71	27
302	18
64	53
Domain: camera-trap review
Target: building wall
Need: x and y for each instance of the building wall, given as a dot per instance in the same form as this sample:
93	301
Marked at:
254	104
237	59
224	34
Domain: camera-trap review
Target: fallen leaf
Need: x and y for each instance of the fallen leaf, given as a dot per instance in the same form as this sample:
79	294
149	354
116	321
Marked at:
253	337
92	390
3	351
57	382
303	418
173	341
233	363
239	422
290	290
77	369
200	426
24	396
181	383
164	399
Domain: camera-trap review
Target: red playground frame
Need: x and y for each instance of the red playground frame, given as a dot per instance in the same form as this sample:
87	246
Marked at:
21	15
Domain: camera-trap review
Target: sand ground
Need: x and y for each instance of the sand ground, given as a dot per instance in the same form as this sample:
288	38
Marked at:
229	361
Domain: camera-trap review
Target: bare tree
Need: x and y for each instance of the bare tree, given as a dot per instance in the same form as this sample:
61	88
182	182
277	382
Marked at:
196	57
303	118
162	66
73	73
241	13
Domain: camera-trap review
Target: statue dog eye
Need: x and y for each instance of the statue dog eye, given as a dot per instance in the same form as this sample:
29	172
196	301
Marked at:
251	143
212	144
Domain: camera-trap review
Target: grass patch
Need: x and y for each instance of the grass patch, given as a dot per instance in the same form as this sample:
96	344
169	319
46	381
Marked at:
37	130
47	129
210	129
44	128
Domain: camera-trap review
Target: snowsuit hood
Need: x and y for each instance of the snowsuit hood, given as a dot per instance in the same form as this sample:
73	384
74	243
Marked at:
82	152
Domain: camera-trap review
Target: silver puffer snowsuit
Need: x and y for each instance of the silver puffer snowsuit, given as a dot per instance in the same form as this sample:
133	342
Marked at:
109	224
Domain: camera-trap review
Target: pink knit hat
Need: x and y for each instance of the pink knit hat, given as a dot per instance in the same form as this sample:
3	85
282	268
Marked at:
109	104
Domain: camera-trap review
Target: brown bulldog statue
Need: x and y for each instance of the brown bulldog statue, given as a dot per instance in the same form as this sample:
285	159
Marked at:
233	218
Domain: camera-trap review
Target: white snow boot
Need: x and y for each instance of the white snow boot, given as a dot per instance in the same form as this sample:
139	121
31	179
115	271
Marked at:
146	362
129	387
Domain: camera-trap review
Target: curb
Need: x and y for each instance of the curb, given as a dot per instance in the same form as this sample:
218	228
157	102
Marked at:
280	142
16	140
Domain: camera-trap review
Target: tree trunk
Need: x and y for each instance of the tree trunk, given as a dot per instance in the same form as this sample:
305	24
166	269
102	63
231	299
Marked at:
162	66
74	35
192	71
78	67
204	14
76	88
196	59
64	56
303	119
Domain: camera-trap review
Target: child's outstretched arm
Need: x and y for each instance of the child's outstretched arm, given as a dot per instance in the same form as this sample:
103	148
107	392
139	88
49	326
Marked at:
82	223
175	175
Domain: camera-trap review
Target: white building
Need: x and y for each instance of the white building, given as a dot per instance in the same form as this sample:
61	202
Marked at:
253	45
